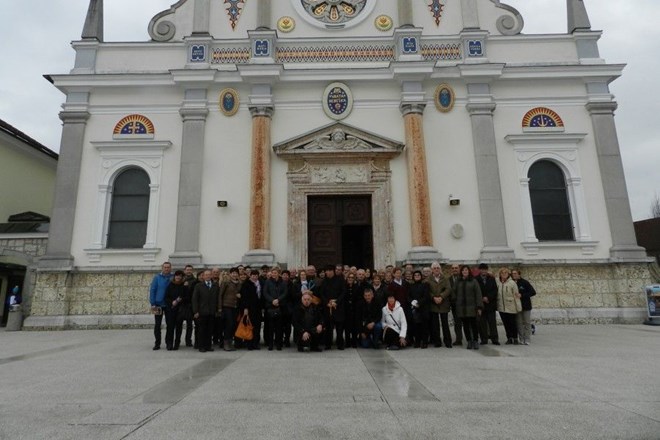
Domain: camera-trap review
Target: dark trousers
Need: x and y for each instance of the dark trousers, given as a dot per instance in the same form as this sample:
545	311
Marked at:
158	322
205	324
458	324
217	330
228	323
196	343
488	327
470	328
267	332
189	330
287	327
390	337
173	326
510	326
274	333
337	326
351	328
256	331
435	329
420	333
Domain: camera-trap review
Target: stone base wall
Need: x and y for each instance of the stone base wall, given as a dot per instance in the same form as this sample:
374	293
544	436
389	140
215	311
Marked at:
34	247
90	300
566	294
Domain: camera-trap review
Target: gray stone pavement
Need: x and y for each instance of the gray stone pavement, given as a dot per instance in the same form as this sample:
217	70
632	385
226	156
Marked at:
573	382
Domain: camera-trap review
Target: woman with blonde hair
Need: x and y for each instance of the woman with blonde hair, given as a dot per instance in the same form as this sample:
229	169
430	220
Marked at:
509	305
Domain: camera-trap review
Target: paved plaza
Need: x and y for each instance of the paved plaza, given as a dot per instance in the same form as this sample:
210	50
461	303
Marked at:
573	382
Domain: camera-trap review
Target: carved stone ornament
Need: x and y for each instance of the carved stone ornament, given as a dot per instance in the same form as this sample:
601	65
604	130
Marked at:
339	174
338	140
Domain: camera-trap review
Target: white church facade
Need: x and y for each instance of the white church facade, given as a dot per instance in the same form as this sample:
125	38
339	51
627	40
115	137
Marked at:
324	131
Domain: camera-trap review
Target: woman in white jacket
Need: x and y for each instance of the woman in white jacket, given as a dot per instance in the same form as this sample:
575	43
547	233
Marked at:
509	306
394	323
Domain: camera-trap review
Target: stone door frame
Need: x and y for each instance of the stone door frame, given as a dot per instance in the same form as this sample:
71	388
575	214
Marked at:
339	160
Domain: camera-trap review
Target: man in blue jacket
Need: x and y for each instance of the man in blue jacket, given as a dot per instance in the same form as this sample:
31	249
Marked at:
157	298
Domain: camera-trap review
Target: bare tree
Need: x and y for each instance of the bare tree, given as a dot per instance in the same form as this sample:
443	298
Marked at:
655	207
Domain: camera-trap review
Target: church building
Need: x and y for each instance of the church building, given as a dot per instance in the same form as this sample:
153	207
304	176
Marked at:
361	132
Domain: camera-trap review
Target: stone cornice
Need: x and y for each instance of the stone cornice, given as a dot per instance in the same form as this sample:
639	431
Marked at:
191	113
602	108
481	108
74	117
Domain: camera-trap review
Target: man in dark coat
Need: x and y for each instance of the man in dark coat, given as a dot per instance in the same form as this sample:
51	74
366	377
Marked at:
275	297
307	324
185	308
332	294
488	324
205	304
250	305
369	314
458	325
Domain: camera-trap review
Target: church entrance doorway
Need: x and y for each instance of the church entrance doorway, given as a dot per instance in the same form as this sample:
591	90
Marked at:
340	230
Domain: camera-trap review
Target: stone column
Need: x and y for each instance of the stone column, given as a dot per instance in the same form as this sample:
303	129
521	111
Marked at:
481	107
624	241
264	14
423	251
58	253
259	240
193	114
405	13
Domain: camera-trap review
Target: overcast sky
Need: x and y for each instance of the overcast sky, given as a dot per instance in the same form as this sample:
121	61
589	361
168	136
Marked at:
35	37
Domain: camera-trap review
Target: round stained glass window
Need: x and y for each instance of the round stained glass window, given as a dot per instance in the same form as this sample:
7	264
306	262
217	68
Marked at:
334	14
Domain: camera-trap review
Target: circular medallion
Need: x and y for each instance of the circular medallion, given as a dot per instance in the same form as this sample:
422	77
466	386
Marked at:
334	14
286	24
229	102
383	23
444	98
337	101
457	231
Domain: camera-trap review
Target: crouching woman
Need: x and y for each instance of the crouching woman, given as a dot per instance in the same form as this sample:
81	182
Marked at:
394	324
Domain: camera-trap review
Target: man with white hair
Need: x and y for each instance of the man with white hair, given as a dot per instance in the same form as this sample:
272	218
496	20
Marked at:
440	305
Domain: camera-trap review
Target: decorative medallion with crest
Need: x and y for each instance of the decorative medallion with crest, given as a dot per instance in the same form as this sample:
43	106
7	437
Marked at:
444	98
337	101
383	23
229	102
234	10
286	24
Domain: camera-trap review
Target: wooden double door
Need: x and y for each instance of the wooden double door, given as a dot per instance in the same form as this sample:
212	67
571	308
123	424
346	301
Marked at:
340	231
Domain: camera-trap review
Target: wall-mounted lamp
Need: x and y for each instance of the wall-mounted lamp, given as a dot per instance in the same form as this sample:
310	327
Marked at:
222	203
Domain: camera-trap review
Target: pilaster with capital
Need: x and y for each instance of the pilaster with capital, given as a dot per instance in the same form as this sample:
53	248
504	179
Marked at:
481	107
624	241
418	185
74	118
260	178
193	114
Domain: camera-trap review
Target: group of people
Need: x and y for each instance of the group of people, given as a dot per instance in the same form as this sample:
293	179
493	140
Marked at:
341	306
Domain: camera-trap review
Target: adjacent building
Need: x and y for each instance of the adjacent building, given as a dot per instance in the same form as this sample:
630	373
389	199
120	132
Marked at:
27	182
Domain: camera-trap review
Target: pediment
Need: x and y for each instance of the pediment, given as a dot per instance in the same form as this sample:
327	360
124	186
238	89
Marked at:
338	140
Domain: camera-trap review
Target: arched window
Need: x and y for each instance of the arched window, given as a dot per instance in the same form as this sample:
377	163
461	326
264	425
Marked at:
550	207
129	213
